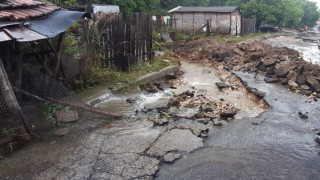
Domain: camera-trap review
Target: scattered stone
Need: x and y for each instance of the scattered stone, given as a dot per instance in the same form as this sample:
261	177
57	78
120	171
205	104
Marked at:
172	87
255	57
221	99
61	132
166	60
239	51
196	131
183	126
269	62
220	56
204	135
316	88
171	157
313	83
301	80
130	100
217	123
203	120
162	85
208	109
304	87
222	85
261	67
204	129
206	71
175	103
292	84
303	116
66	116
285	81
318	138
159	122
271	80
188	93
171	76
228	114
270	71
282	72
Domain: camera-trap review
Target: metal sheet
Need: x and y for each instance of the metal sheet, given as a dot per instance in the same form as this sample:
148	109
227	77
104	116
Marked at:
22	34
56	23
4	37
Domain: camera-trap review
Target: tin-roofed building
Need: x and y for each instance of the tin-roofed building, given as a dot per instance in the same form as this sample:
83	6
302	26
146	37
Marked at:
225	19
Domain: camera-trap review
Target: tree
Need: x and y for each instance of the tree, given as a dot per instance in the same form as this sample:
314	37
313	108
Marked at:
278	12
218	2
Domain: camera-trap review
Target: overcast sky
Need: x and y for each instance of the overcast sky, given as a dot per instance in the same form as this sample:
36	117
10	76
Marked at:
317	1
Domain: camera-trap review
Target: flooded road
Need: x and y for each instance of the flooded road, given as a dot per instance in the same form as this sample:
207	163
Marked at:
308	50
282	146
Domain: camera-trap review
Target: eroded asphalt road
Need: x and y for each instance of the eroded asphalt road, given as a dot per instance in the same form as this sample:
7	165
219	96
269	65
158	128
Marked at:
274	145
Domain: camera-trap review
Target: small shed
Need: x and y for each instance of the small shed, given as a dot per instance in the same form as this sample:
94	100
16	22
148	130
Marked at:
224	19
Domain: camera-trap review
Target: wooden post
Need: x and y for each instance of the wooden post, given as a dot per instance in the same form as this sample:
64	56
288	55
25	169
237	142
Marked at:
9	97
208	28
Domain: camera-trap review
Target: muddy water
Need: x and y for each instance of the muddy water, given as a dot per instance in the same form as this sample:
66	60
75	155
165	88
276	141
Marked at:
197	78
281	147
308	50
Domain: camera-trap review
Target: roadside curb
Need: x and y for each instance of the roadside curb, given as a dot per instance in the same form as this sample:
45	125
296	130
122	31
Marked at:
145	78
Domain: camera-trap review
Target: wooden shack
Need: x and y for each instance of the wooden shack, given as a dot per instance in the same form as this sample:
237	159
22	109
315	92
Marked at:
224	19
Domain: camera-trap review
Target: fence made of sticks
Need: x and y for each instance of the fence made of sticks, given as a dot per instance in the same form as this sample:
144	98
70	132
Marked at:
124	41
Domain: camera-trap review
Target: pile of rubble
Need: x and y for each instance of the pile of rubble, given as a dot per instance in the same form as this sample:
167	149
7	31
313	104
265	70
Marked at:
277	64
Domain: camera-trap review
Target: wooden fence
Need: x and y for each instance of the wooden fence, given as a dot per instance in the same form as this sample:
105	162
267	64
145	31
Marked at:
248	26
125	41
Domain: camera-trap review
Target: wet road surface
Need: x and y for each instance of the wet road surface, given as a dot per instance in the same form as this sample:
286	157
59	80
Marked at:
282	146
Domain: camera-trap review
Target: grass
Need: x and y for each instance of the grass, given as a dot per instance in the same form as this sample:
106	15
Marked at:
238	39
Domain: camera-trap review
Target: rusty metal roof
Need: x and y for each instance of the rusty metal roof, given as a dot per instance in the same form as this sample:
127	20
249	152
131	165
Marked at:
20	10
20	34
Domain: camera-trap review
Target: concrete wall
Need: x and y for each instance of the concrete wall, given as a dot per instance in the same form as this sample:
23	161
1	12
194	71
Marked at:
191	22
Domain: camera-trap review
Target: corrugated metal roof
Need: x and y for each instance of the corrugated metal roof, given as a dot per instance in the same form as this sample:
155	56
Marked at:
9	4
14	10
20	34
217	9
105	8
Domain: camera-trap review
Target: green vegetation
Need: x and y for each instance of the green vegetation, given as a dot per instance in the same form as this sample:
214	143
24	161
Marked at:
8	132
48	111
281	13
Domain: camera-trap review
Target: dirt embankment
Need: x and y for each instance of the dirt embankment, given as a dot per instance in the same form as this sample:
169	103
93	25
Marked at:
278	64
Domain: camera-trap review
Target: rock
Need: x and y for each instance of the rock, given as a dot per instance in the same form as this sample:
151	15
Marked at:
313	83
221	99
220	56
228	114
285	81
261	67
255	57
304	116
130	100
281	72
222	85
270	71
188	93
61	132
217	123
318	138
301	80
208	109
172	87
196	131
175	103
166	60
171	76
204	135
171	157
162	85
227	59
271	80
304	87
284	58
269	62
239	51
159	122
183	126
66	116
316	88
206	71
209	115
292	84
203	120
